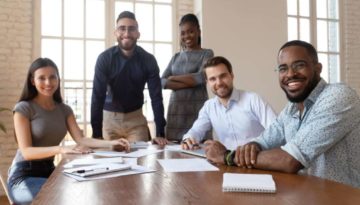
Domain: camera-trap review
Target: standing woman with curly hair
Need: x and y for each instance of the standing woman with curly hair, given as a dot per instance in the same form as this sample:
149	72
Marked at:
185	78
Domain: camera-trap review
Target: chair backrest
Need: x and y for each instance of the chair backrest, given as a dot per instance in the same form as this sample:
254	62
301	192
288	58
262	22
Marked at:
4	184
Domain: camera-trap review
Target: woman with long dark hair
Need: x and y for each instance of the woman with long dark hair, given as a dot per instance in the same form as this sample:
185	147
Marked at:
41	121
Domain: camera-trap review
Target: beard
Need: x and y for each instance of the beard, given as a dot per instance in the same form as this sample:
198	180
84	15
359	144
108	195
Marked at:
226	94
305	93
128	45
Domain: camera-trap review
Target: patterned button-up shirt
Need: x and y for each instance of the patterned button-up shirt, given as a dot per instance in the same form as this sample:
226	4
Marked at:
325	139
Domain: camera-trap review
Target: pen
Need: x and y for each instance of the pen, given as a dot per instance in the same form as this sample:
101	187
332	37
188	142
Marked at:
191	146
90	170
194	145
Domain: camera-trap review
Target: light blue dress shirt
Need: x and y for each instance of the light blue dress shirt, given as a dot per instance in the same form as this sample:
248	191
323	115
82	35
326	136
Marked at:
326	138
244	118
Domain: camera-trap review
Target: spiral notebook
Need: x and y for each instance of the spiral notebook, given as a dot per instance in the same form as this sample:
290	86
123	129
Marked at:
263	183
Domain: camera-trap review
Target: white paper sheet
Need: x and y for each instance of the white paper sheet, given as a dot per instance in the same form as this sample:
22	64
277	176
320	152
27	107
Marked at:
197	152
139	144
92	161
136	169
97	169
187	165
136	154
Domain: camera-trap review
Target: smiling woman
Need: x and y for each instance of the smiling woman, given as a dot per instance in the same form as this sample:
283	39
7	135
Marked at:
41	121
184	77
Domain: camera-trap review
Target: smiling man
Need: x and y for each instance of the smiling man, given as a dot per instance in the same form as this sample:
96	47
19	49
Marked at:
121	73
318	131
236	116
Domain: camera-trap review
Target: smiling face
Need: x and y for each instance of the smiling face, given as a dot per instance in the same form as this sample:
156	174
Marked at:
299	82
46	81
220	80
127	34
189	34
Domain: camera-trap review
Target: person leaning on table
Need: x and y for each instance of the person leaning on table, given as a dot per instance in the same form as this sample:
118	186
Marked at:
41	121
121	73
237	116
317	133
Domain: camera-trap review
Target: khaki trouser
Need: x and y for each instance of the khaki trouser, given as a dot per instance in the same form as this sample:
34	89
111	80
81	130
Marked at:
131	126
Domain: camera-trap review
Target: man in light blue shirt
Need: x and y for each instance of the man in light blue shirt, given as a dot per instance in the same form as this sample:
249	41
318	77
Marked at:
236	116
318	131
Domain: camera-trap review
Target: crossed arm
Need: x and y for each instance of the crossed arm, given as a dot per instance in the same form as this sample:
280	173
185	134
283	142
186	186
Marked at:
176	82
251	156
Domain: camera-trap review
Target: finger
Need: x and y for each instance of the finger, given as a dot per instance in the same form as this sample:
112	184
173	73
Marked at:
254	152
161	142
188	143
73	151
208	142
124	145
242	156
192	143
236	157
207	148
124	142
184	146
247	151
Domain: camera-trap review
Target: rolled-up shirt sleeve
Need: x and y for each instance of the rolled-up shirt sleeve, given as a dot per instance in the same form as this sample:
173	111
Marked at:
330	120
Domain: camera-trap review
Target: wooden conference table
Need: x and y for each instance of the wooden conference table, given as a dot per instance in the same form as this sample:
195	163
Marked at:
161	188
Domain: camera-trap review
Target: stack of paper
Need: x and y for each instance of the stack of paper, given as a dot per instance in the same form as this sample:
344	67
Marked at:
97	169
100	168
92	161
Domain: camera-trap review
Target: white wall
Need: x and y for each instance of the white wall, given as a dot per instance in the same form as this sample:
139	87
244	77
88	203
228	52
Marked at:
249	34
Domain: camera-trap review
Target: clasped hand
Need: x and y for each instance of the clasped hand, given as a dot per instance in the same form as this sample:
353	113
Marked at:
120	145
246	155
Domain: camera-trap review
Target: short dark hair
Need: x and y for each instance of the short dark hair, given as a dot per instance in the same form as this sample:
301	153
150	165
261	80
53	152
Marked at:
126	14
309	48
29	91
214	61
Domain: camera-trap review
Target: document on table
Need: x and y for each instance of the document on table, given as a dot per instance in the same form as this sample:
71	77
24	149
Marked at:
196	152
92	161
97	169
187	165
139	144
135	154
135	169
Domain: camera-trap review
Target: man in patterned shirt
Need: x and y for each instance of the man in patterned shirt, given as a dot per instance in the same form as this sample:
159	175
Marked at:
318	131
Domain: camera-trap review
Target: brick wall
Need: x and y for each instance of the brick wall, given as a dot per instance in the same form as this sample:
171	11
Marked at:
16	52
15	57
351	43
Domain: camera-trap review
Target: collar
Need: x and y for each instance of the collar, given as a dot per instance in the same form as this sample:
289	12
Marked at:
310	100
235	97
118	51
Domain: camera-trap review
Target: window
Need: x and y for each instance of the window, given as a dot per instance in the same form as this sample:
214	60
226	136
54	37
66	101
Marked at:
74	32
317	22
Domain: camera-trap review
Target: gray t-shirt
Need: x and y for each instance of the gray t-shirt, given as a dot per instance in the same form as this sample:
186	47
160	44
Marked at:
48	127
